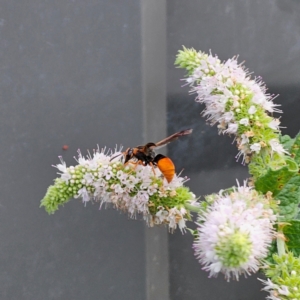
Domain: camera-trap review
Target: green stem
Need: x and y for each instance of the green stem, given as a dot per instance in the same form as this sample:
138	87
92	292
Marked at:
192	208
280	243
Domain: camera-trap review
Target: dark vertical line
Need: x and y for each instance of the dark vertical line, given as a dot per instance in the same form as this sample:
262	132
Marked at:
153	42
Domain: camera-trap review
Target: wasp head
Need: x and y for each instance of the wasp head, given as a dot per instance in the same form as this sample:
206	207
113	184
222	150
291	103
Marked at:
128	154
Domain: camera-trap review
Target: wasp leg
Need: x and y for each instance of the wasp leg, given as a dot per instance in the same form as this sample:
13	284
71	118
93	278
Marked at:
152	167
139	162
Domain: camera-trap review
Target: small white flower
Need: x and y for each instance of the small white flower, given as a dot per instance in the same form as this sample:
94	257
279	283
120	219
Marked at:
274	124
244	121
118	189
232	128
162	215
107	173
228	116
270	107
83	193
274	289
89	178
283	290
173	217
252	110
152	189
181	225
259	98
66	172
277	147
81	160
244	139
269	285
62	167
66	177
255	147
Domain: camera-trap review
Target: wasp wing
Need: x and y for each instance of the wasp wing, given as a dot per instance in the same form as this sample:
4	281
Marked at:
172	138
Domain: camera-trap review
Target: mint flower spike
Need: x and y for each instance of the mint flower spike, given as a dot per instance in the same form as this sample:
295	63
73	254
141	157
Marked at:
134	189
188	59
284	277
275	290
234	232
238	104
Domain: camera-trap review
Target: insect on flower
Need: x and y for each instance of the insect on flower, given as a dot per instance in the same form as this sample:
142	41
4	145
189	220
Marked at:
145	155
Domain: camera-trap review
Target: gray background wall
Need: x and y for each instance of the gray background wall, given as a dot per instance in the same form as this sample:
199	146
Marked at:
70	74
92	72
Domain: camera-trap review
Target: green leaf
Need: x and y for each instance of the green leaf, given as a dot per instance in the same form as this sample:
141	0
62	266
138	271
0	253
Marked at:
274	180
287	142
264	160
295	149
284	183
292	233
289	198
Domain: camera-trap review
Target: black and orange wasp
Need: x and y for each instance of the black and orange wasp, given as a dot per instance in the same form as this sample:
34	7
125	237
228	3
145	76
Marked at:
145	155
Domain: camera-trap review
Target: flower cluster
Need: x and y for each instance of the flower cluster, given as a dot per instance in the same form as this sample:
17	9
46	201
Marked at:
236	227
285	281
239	105
234	232
135	189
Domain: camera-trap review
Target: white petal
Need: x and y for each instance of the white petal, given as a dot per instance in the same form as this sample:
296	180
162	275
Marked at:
252	110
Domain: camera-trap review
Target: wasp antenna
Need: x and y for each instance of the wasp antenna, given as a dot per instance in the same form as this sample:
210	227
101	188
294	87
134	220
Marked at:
115	156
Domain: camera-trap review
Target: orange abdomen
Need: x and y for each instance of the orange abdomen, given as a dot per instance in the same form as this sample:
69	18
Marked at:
167	168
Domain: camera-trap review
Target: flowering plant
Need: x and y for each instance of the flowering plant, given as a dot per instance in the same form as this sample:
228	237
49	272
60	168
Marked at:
132	188
240	230
247	228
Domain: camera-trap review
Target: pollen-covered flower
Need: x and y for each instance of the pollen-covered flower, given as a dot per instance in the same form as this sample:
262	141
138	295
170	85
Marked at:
234	232
234	101
135	189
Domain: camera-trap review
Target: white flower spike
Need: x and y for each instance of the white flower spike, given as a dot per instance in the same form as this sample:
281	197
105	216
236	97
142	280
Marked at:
234	233
133	188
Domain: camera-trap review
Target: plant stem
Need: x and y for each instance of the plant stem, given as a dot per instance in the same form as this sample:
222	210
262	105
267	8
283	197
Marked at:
280	242
192	208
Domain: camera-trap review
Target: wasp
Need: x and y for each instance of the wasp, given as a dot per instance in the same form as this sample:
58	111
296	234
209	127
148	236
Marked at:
145	155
